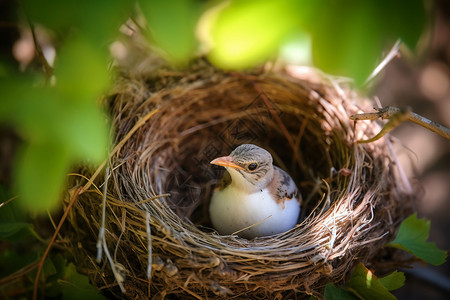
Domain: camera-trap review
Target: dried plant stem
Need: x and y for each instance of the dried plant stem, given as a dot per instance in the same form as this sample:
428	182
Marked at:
149	245
47	250
101	232
393	53
250	226
397	116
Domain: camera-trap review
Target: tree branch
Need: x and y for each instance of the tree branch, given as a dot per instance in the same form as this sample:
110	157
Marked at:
397	116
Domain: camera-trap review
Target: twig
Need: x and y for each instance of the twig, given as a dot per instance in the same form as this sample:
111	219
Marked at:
40	54
7	201
116	268
44	256
101	232
101	241
393	53
397	116
149	240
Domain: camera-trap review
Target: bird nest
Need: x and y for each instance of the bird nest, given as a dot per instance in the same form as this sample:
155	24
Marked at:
168	125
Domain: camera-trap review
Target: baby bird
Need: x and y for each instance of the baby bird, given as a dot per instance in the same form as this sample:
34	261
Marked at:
255	197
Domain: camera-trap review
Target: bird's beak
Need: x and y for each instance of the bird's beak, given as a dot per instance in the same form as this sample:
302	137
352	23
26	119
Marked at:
226	161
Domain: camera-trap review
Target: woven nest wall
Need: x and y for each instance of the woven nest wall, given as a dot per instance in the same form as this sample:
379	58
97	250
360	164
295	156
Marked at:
168	125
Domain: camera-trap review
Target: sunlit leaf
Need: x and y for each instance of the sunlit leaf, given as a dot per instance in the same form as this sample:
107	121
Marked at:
367	286
81	71
393	281
333	292
84	128
172	24
39	175
412	236
245	33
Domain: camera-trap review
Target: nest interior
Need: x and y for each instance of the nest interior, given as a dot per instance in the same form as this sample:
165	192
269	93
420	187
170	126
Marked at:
168	125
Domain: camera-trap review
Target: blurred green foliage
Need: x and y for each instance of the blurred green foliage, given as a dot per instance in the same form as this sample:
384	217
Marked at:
348	36
245	33
171	26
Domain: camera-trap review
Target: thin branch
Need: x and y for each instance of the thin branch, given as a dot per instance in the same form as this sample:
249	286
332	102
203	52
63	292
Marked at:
44	256
40	54
397	116
101	232
149	241
393	53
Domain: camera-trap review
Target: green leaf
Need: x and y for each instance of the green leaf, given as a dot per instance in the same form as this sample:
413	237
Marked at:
367	286
393	281
333	292
81	70
40	174
77	286
58	128
84	129
245	33
172	26
412	236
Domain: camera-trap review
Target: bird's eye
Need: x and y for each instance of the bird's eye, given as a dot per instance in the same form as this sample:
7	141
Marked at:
252	166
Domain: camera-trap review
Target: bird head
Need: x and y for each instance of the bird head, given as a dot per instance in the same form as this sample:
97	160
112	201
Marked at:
250	167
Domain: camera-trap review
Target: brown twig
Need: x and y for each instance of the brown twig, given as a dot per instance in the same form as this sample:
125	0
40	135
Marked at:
44	256
397	116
